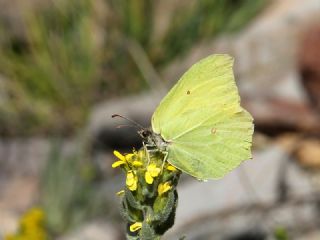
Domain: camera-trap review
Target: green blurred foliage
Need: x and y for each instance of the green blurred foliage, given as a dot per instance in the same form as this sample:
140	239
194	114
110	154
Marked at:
281	233
70	195
50	73
205	19
54	73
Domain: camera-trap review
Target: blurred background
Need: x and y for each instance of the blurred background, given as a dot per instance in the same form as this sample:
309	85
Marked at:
67	66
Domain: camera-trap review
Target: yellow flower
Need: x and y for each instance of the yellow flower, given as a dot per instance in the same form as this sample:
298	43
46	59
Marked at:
34	217
163	187
31	226
136	226
152	172
131	181
171	168
126	159
121	161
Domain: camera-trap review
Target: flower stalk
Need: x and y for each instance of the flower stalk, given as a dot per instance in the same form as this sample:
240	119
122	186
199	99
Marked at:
149	200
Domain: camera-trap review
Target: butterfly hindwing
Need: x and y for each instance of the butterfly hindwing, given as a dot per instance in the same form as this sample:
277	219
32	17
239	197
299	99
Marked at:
215	148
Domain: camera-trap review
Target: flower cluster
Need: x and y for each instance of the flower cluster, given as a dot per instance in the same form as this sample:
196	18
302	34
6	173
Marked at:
31	227
149	198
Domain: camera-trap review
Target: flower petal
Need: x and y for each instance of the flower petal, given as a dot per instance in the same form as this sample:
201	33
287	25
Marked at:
171	168
130	178
117	164
133	187
136	226
137	163
148	177
163	188
131	181
153	170
119	155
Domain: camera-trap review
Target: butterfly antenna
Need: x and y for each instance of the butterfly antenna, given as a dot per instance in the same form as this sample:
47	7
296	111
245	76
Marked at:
135	123
127	125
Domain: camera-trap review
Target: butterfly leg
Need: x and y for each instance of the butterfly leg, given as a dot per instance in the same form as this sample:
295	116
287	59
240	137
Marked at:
164	160
145	147
146	151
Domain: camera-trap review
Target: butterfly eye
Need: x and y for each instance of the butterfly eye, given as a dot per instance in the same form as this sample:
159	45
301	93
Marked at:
145	133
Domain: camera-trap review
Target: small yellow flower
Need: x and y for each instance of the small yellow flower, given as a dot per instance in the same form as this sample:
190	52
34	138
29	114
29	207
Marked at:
163	188
136	226
33	217
131	181
31	226
152	172
171	168
120	193
121	161
126	159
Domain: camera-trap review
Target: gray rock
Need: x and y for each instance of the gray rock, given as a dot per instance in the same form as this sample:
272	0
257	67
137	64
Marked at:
255	182
315	235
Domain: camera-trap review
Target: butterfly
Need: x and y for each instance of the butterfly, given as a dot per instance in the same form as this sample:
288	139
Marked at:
199	125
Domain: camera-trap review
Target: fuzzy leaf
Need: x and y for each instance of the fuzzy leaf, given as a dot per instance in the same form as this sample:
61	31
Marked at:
147	232
163	206
161	228
131	200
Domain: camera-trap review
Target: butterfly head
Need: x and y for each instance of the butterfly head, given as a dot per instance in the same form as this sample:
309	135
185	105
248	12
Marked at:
148	136
145	133
153	139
